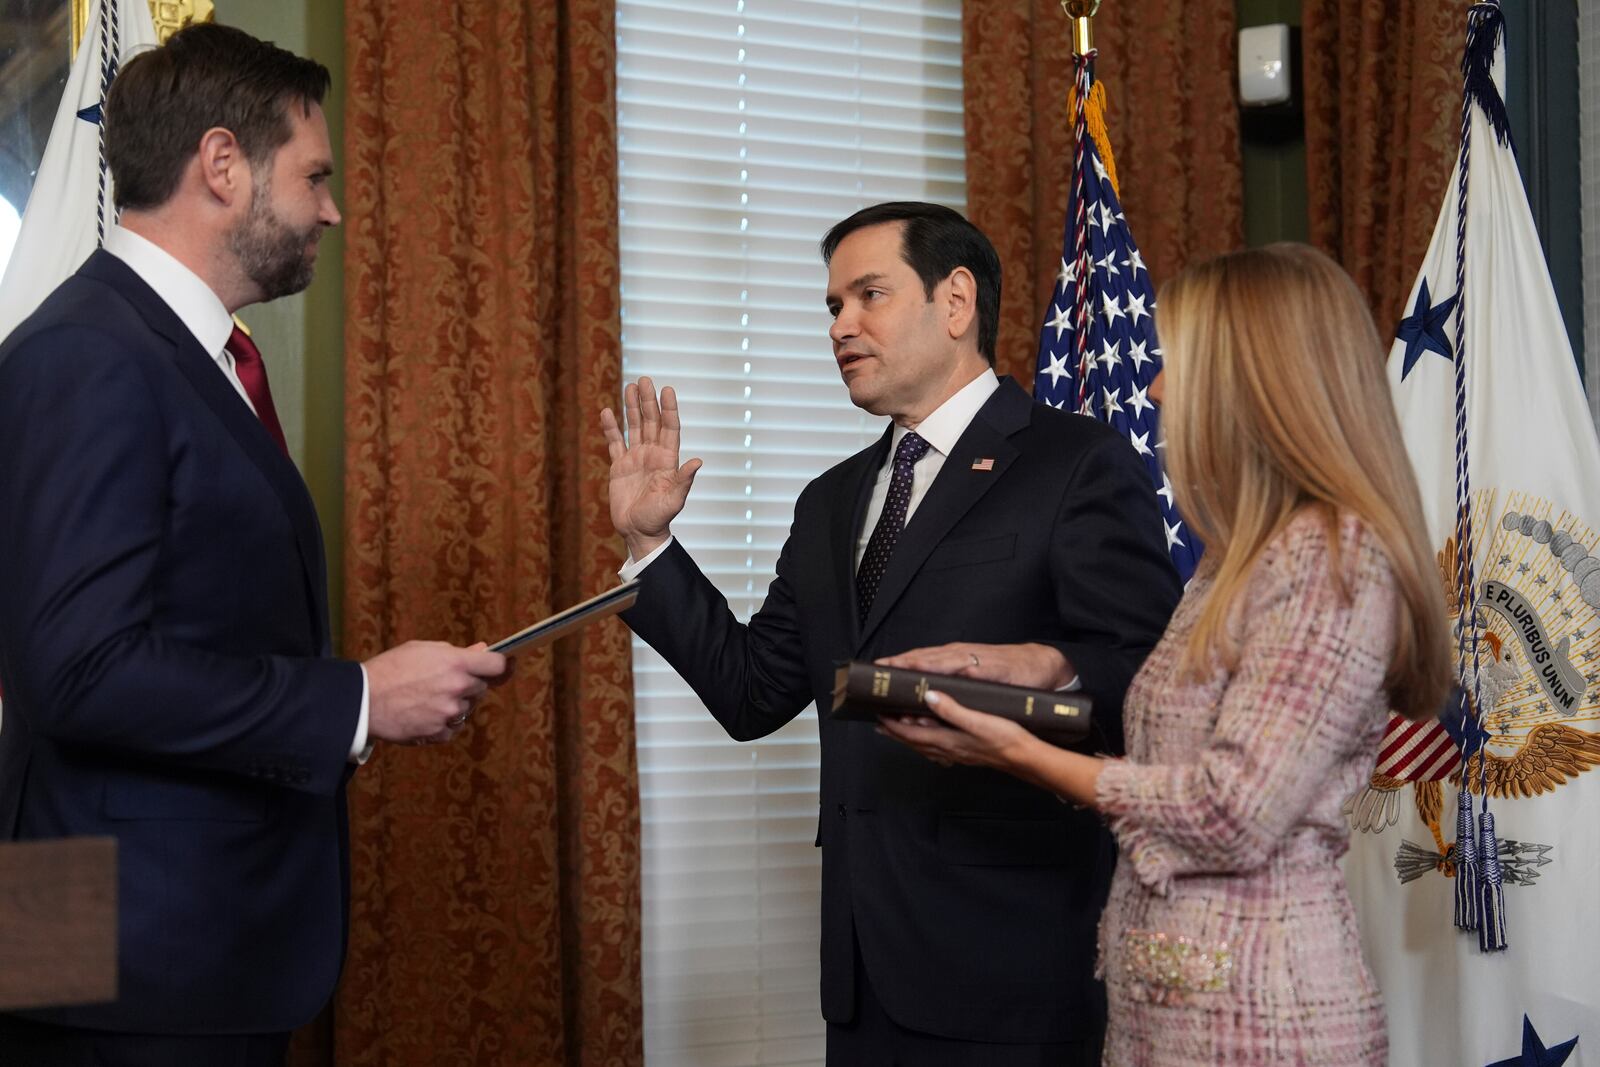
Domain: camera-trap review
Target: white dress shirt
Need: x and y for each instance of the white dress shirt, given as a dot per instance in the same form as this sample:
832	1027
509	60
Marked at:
202	312
941	430
189	298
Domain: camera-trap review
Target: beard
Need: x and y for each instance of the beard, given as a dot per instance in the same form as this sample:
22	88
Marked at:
275	256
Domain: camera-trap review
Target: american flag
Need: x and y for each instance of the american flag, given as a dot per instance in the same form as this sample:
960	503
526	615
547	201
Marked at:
1098	351
1417	751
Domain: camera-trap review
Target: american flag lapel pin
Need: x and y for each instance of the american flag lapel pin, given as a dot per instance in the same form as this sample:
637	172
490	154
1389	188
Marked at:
984	464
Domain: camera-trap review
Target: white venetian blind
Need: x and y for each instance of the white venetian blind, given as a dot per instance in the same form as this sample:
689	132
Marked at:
747	128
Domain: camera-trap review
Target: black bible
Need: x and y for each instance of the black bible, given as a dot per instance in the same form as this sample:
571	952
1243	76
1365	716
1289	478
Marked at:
863	691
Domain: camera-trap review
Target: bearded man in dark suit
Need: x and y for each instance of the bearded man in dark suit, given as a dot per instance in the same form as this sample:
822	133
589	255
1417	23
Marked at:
164	638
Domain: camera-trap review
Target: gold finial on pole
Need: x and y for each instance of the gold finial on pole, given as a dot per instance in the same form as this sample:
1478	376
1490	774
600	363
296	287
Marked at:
169	17
1080	12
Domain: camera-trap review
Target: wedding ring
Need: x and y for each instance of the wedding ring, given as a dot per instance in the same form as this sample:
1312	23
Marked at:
974	656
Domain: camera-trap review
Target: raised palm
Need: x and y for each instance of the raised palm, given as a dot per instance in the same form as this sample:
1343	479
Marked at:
648	487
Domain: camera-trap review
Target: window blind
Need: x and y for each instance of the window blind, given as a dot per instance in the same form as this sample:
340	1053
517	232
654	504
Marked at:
746	128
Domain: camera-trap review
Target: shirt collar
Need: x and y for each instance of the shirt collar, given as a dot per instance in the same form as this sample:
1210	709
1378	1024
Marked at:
950	420
180	288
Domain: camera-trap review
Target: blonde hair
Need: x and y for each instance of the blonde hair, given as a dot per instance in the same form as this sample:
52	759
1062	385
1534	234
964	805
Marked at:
1277	401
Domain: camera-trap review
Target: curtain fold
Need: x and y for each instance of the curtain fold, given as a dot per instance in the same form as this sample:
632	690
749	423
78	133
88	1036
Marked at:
1168	70
496	902
1383	120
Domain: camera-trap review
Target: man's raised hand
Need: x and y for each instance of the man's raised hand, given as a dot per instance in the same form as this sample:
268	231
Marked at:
648	487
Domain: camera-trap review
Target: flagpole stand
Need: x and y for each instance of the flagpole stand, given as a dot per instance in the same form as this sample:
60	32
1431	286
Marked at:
1081	12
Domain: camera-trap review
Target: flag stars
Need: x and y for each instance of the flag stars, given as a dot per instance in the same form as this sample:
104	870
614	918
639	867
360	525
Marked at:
1134	262
1172	529
1057	369
1535	1053
1112	401
1106	264
1067	275
1106	220
1062	321
1165	492
1136	309
1426	329
1136	352
1110	354
1139	401
1140	442
1112	308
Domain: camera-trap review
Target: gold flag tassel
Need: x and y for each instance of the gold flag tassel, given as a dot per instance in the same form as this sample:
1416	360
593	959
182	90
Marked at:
1094	115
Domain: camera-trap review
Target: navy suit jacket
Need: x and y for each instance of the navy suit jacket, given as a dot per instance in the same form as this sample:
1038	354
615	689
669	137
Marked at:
973	896
165	662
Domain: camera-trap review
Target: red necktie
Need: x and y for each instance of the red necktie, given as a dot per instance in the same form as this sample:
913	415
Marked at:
253	376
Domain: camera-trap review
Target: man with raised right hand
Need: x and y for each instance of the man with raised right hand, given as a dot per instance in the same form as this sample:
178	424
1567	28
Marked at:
958	903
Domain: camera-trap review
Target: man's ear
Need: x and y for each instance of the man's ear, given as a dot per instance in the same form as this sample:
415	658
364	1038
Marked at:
961	302
223	167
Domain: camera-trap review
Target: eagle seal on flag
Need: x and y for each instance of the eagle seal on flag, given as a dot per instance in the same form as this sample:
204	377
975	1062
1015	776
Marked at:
1534	688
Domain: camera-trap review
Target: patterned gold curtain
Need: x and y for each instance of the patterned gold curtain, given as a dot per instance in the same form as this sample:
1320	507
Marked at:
495	916
1168	69
1383	118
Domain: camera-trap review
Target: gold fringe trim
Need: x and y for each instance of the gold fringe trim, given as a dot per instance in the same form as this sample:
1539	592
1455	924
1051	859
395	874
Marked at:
1094	114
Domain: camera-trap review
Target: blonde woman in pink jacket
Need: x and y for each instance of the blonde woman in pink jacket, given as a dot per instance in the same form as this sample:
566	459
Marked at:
1229	937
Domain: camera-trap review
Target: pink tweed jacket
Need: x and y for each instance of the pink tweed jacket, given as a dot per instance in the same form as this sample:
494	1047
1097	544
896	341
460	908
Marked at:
1229	937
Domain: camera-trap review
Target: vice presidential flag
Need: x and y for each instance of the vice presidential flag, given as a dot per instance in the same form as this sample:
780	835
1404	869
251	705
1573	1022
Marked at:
1495	421
1098	352
70	206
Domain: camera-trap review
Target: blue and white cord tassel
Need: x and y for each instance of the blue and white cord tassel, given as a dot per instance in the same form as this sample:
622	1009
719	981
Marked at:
1491	893
1466	864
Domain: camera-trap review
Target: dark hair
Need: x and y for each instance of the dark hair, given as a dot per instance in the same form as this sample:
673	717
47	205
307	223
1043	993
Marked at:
206	75
934	241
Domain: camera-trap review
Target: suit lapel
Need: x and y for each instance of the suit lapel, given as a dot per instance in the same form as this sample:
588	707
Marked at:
213	388
953	493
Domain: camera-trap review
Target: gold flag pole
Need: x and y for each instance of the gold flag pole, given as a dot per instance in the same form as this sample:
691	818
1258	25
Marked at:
1081	12
169	16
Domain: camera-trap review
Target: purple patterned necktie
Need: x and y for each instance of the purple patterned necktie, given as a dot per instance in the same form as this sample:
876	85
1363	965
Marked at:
875	560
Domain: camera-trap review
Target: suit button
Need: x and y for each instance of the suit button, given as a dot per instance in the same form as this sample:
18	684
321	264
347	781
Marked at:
841	811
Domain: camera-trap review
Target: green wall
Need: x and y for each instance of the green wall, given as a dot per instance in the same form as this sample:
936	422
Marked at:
1274	167
302	336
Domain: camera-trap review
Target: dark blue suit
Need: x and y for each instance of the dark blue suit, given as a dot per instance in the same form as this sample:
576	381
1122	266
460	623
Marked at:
165	657
969	897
